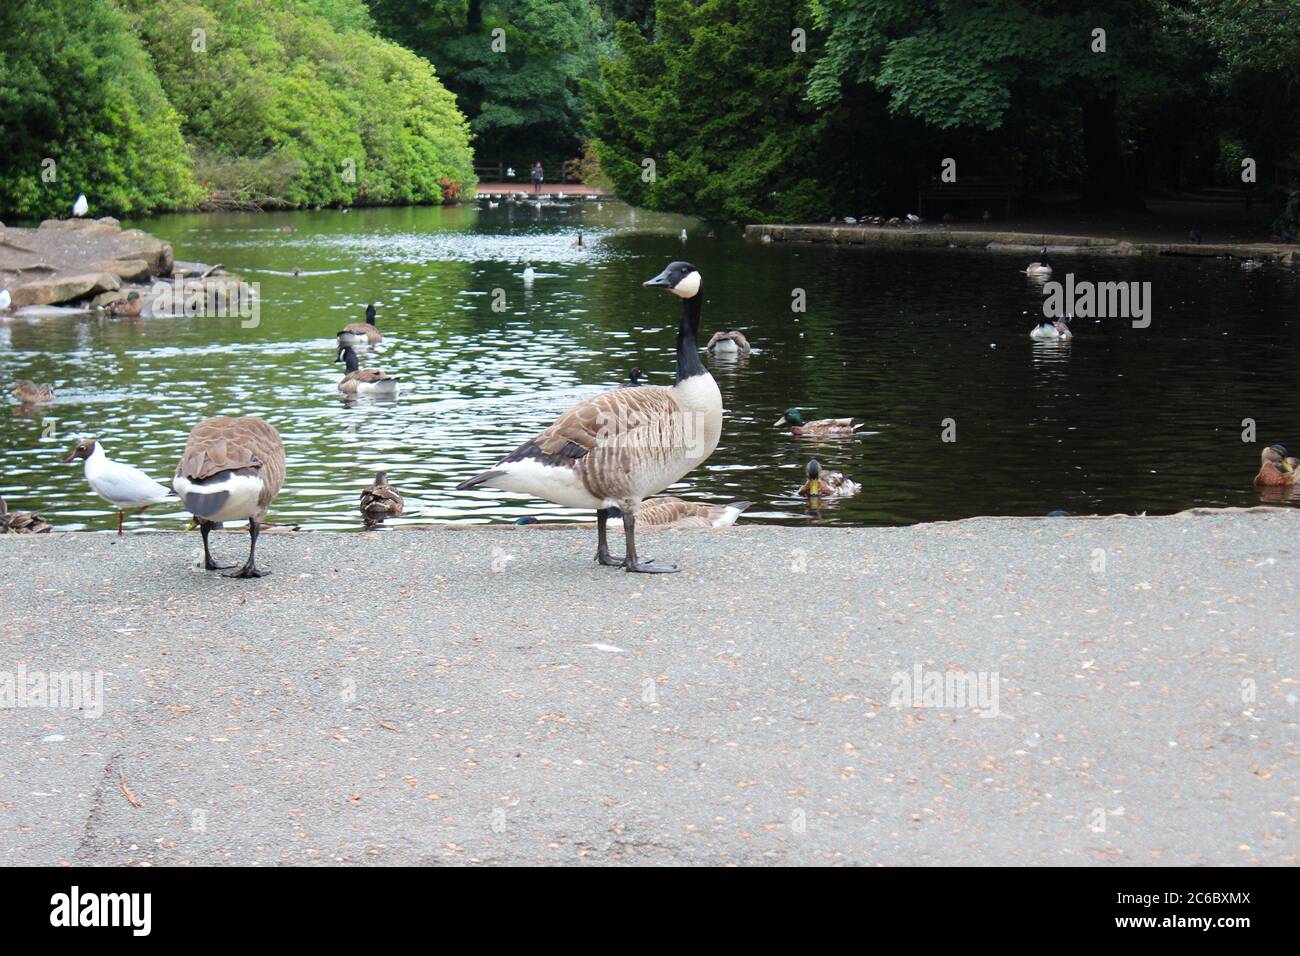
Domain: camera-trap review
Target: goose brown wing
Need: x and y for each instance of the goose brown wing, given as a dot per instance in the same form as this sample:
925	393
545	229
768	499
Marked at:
225	443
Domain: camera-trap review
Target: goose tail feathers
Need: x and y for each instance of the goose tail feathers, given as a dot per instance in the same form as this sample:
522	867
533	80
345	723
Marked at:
480	479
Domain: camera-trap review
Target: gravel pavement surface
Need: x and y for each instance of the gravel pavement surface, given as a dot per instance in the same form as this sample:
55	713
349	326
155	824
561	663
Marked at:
491	695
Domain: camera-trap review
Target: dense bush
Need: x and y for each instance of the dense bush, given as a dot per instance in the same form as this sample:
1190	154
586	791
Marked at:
164	104
291	101
77	88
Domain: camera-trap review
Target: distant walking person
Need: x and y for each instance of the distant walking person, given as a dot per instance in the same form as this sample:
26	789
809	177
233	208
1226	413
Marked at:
537	176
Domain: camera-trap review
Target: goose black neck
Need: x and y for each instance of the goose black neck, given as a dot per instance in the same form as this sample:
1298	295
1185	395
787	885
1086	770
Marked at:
688	351
350	358
370	314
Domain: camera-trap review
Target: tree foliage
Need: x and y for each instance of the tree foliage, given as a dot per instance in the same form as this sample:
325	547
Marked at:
77	89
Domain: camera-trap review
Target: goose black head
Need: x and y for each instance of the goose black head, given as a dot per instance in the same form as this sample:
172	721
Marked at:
370	313
680	278
634	376
84	449
349	357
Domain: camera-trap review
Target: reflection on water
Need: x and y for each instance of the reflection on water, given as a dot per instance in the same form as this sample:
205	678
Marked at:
1116	420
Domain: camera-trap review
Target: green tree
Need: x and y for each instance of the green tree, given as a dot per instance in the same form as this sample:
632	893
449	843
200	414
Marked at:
76	88
522	97
973	64
715	99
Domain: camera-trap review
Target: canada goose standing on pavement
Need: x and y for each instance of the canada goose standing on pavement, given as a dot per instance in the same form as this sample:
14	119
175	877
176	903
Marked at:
232	469
619	447
123	486
357	334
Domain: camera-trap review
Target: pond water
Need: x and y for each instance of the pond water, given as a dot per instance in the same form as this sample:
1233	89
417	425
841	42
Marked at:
1119	420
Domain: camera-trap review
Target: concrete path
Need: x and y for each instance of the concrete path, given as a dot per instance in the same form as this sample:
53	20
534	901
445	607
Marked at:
490	695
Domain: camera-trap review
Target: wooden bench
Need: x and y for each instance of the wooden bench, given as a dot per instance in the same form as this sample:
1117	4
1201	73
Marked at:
970	192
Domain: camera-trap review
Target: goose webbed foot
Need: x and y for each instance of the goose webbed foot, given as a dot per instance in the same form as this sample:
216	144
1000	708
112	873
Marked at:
250	570
205	529
632	562
651	566
602	543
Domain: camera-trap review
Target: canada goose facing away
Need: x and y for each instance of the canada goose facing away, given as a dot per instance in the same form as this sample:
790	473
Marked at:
123	486
232	469
357	334
1052	329
21	522
728	342
671	512
822	426
29	393
1276	467
380	501
364	381
578	243
616	449
827	484
1040	268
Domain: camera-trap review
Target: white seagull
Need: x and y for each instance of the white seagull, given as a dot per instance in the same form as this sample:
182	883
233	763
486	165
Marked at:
5	299
80	207
125	487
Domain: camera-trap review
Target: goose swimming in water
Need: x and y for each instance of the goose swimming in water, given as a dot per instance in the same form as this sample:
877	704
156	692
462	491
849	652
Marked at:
578	243
1052	329
620	447
364	381
232	469
125	487
1040	268
357	334
728	342
822	426
633	378
671	512
827	484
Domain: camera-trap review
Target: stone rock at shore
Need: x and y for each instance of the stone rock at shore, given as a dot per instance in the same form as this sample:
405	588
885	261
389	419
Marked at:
67	260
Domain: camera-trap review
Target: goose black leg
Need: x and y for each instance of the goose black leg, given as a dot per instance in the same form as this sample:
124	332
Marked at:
249	570
602	541
631	563
205	528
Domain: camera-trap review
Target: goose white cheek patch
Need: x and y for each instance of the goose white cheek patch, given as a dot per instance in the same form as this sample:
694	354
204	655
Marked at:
688	287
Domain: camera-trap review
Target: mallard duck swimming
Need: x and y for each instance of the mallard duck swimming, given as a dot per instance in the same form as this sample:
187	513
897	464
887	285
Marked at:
29	393
364	381
357	334
1041	267
728	342
823	426
380	501
21	522
669	512
827	484
130	307
1052	329
1276	468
